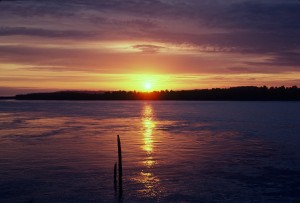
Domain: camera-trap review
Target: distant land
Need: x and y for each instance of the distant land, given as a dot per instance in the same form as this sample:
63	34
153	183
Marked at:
244	93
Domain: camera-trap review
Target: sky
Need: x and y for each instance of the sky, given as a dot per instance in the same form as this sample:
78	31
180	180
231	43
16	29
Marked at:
51	45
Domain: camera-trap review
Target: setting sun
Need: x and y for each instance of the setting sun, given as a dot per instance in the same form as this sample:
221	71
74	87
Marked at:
148	86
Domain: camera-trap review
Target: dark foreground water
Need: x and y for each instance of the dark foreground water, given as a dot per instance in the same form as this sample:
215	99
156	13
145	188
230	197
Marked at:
53	151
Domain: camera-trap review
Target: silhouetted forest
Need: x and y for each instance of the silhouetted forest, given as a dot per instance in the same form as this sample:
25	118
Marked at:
245	93
7	97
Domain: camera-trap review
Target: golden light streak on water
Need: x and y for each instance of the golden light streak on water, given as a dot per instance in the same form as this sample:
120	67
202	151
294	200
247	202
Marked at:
148	127
151	183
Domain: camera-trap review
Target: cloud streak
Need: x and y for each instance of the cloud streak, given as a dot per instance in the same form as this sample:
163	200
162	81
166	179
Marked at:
48	33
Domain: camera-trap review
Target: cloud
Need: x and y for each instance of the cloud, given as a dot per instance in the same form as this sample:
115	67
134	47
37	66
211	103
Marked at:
49	33
148	49
281	59
38	8
235	26
263	16
95	61
239	69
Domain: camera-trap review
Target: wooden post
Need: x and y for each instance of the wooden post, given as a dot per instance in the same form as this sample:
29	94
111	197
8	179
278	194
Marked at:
115	177
120	167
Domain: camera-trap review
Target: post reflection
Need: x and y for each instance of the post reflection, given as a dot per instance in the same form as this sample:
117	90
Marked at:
151	183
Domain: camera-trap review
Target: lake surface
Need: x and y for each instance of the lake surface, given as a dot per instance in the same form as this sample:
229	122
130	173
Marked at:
173	151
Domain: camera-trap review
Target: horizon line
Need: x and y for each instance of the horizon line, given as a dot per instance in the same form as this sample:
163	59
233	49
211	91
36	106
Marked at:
85	90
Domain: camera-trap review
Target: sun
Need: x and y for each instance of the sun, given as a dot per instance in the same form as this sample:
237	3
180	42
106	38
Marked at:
148	86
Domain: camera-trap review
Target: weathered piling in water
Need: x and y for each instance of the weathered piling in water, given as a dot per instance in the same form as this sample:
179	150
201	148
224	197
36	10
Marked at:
118	178
120	167
115	177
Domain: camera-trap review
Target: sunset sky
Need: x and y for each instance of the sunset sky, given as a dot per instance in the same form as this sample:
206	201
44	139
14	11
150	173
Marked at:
49	45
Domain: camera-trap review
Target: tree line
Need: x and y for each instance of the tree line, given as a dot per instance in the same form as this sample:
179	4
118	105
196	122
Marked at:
244	93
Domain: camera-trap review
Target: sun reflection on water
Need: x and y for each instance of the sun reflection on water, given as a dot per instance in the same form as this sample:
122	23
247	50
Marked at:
151	183
148	130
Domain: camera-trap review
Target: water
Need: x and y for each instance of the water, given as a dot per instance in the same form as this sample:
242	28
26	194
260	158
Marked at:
54	151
